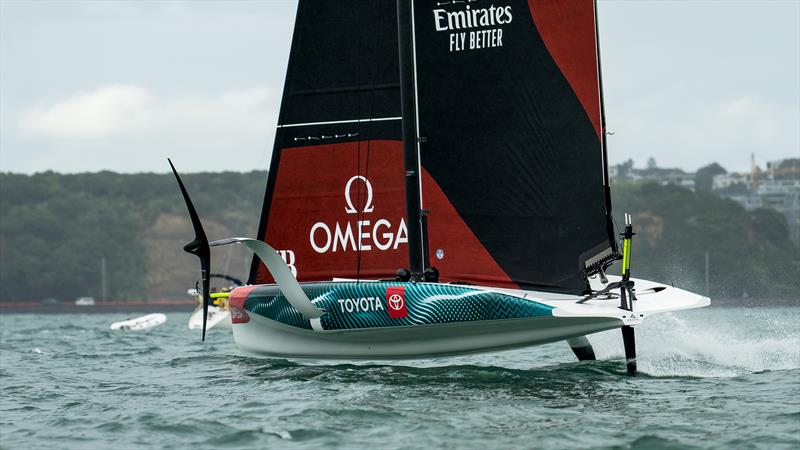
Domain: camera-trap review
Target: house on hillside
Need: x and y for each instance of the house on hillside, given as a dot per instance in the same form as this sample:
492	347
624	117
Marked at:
776	188
652	174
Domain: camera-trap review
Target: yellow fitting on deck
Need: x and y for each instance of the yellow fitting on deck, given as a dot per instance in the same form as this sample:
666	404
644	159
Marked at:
626	256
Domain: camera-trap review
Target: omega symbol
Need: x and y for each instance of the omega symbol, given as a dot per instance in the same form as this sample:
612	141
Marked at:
368	207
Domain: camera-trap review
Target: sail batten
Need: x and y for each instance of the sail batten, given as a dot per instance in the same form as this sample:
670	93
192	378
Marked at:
336	122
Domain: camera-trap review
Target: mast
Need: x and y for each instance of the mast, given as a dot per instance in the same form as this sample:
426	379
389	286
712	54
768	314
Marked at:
405	34
603	134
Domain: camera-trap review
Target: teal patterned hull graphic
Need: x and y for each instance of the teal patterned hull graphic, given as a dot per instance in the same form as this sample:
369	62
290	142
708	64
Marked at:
352	305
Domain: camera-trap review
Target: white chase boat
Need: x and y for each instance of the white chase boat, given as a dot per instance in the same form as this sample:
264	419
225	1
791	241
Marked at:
218	317
438	186
217	312
140	323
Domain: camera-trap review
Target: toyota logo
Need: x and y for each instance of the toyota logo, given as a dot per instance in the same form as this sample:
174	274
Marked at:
396	302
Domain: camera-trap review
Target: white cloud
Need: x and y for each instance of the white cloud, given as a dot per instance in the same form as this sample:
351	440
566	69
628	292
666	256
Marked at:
683	130
114	110
130	128
751	117
729	130
99	113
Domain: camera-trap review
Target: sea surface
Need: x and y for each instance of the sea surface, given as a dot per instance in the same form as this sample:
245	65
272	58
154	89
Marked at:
715	378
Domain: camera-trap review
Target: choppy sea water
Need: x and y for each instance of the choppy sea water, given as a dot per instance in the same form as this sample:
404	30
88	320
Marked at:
712	378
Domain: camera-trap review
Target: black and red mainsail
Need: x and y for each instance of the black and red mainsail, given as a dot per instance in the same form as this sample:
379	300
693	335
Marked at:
504	109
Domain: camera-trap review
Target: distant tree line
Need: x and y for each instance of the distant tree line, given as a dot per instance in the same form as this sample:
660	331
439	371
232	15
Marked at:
55	229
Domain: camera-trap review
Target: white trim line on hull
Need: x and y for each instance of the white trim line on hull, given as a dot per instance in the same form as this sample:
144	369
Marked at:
335	122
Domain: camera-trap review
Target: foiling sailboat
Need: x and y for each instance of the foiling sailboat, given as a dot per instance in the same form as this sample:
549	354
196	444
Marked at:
438	186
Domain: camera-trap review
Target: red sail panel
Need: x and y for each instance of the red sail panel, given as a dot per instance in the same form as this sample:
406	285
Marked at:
455	251
330	201
568	31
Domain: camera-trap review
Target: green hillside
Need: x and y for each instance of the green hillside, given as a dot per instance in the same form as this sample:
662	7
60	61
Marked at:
55	229
749	253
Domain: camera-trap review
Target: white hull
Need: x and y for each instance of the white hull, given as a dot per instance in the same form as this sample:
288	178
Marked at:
263	337
140	323
217	318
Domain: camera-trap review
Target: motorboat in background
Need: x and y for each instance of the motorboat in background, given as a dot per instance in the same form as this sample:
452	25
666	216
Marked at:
218	311
140	323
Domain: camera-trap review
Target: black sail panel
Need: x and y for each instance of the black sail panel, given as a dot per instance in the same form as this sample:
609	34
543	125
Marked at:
508	104
334	200
343	63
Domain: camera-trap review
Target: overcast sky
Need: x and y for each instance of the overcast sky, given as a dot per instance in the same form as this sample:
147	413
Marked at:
87	86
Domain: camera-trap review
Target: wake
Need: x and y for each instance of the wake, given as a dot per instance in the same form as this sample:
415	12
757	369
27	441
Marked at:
719	342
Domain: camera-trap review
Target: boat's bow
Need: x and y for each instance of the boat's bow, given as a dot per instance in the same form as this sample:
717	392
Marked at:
651	298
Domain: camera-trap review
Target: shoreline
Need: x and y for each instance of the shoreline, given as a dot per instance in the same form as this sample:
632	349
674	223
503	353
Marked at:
145	306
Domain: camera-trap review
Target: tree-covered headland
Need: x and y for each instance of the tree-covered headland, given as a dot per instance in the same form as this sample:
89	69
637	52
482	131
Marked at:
749	253
56	230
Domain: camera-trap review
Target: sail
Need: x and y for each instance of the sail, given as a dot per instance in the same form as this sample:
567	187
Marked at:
511	149
335	197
